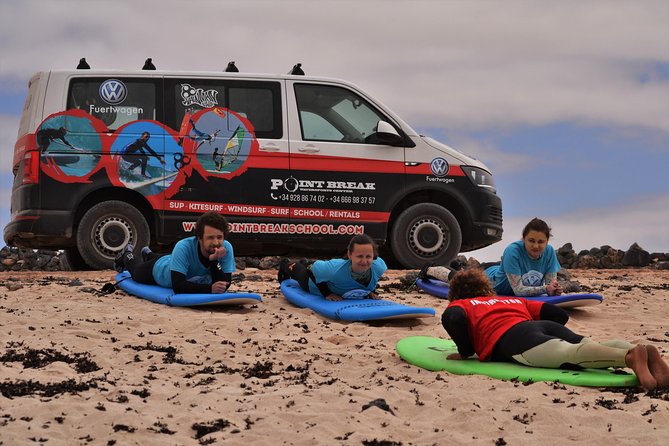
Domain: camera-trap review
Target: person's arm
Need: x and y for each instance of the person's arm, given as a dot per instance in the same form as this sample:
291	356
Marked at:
62	138
454	320
327	292
182	286
553	288
516	282
217	275
153	153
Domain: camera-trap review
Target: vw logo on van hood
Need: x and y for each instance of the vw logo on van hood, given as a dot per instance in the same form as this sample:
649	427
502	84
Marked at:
439	167
113	91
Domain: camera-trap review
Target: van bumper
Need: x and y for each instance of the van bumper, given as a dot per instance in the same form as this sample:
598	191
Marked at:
486	226
40	229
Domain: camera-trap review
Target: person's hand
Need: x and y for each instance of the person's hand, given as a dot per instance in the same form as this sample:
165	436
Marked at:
333	297
454	356
218	254
219	287
162	161
554	288
373	295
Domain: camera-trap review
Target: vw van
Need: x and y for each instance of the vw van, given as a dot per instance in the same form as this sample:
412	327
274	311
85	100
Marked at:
106	157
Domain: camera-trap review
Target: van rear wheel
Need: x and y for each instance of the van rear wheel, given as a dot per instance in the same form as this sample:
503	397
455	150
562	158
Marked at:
106	228
424	233
71	260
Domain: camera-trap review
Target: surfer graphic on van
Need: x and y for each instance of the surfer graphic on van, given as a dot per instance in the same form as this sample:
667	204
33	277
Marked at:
135	155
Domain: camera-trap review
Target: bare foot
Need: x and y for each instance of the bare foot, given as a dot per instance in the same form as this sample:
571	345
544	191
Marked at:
637	360
658	366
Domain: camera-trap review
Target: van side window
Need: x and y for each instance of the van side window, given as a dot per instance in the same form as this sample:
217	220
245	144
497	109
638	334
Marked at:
259	102
115	101
330	113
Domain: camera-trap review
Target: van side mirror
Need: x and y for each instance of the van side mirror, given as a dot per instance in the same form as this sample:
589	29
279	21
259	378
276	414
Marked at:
387	134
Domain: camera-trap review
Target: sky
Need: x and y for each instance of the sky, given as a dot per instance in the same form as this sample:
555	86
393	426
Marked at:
566	102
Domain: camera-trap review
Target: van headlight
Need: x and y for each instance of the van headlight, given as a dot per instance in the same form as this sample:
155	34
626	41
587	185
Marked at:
480	177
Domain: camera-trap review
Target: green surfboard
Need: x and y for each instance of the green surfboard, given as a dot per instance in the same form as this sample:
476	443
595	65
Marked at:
430	353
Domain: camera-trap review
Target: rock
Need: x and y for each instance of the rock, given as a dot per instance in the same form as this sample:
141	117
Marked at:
636	256
473	263
566	250
662	265
270	262
596	252
409	278
240	262
8	262
252	262
563	274
588	261
659	256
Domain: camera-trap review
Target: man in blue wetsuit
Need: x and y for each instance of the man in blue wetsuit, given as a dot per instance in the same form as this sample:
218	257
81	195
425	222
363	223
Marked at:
200	264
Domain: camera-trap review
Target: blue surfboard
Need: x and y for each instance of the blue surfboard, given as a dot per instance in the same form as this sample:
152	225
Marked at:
440	289
166	296
351	309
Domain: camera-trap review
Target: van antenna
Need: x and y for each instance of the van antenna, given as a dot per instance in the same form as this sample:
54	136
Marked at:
232	68
297	69
148	65
83	65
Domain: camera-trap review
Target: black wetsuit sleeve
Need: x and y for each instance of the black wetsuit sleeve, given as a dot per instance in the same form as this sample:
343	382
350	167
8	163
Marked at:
550	312
324	288
151	151
181	285
454	320
217	275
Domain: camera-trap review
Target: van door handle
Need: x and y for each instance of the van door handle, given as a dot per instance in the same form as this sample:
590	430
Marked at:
270	147
309	148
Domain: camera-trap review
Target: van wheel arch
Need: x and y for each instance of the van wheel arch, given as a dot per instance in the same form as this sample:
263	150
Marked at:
106	228
424	233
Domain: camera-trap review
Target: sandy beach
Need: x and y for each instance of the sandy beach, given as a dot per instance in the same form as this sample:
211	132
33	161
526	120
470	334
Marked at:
80	368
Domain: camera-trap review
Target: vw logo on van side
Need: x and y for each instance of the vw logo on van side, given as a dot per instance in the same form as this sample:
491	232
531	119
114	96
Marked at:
113	91
439	167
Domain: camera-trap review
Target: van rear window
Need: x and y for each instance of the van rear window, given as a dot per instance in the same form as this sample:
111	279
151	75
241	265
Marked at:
115	101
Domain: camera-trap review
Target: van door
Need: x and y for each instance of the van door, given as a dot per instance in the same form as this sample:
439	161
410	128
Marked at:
234	143
346	175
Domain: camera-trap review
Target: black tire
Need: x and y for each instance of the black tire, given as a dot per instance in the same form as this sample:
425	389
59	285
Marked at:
106	228
425	233
71	260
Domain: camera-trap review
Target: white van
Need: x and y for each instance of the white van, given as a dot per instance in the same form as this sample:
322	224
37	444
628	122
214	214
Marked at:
105	158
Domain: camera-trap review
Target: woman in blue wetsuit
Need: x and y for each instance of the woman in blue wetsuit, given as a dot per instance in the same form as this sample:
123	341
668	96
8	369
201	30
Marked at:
529	266
356	276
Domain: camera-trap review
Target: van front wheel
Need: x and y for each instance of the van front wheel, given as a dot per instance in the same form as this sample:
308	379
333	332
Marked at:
106	228
425	233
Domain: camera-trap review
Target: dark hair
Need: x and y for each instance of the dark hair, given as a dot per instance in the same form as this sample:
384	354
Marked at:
213	219
469	283
538	225
147	134
362	239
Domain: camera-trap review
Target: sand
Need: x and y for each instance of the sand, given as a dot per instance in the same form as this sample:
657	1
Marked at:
79	368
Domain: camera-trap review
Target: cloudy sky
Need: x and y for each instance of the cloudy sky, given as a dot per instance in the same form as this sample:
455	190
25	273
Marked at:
566	101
